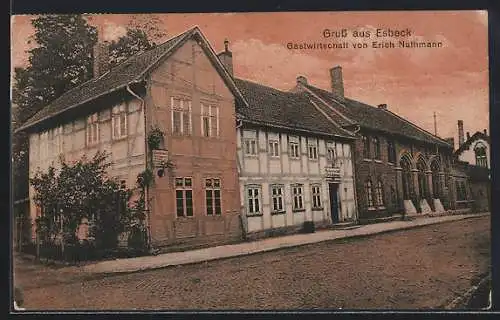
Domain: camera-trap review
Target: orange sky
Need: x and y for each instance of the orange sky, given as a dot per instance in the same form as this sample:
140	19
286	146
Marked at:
451	81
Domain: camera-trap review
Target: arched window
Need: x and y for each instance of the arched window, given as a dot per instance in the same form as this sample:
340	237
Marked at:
480	151
391	152
366	147
369	193
379	190
376	147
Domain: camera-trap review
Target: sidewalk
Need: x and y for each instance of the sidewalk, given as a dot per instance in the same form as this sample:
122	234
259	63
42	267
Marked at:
220	252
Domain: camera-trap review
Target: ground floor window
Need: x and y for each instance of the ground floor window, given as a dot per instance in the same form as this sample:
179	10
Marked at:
461	190
184	197
380	194
277	198
297	194
253	200
316	197
213	196
369	193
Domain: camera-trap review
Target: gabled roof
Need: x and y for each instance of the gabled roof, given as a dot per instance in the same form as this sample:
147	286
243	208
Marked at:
275	108
476	136
374	118
130	71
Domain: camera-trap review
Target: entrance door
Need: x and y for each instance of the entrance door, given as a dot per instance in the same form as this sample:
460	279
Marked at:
334	201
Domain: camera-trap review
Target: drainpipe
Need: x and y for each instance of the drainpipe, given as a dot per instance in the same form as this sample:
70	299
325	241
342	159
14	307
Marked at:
354	182
146	190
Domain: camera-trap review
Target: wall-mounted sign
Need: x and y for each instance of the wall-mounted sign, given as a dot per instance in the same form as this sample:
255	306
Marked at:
332	174
160	158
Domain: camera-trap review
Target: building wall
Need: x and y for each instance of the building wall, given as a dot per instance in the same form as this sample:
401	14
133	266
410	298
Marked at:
126	154
369	168
468	155
188	74
265	169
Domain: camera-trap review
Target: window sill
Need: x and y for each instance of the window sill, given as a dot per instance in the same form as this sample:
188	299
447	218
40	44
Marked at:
381	208
298	210
311	159
251	155
377	161
317	209
367	160
390	163
295	158
254	214
185	217
274	157
371	209
274	213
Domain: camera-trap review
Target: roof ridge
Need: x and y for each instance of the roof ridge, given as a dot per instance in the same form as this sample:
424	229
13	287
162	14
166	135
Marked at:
333	121
348	119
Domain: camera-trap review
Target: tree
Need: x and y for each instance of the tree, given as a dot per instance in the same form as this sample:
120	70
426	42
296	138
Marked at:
136	40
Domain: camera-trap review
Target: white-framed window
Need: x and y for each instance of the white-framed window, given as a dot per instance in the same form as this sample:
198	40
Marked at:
250	146
294	150
253	200
316	196
213	196
184	196
379	189
369	193
298	197
92	129
277	198
330	153
312	149
119	122
274	148
209	120
181	116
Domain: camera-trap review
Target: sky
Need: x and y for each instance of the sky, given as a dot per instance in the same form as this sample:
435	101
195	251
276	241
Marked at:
450	81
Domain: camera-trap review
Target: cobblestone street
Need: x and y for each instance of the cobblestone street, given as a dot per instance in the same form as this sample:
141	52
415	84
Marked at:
425	267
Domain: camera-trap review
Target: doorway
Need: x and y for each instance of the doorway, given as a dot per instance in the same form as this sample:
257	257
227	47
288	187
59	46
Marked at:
334	201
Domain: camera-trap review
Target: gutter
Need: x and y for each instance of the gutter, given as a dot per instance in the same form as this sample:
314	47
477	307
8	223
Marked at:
146	190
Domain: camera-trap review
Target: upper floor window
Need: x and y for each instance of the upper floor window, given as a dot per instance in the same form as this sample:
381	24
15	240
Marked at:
277	198
330	154
481	159
366	147
184	197
213	196
298	197
181	116
210	120
316	196
92	129
250	146
253	200
294	150
391	152
274	150
313	151
376	148
119	121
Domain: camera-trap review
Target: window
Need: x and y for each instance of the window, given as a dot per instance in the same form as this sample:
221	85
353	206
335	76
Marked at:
330	153
119	121
274	150
181	116
253	200
316	197
369	194
294	150
394	196
250	146
212	197
92	129
297	195
461	190
277	198
210	120
313	151
376	148
481	159
366	147
391	152
380	194
184	197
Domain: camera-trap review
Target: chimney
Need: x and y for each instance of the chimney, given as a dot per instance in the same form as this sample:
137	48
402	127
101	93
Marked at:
450	141
337	82
460	133
301	80
468	135
382	106
226	58
101	58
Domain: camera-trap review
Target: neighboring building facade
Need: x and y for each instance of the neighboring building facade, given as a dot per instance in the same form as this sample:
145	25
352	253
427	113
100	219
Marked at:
181	88
295	164
399	167
473	156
